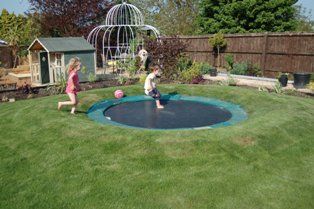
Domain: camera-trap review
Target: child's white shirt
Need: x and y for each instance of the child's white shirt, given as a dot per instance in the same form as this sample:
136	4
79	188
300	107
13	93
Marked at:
149	84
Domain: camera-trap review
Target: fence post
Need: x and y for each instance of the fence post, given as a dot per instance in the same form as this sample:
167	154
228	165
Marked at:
264	56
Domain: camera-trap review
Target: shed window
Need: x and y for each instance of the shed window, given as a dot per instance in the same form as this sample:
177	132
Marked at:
58	60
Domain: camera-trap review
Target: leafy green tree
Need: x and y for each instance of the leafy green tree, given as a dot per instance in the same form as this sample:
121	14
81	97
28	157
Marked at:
17	31
218	42
171	17
240	16
304	23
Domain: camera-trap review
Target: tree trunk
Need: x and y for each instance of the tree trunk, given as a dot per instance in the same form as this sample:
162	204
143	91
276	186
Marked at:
218	63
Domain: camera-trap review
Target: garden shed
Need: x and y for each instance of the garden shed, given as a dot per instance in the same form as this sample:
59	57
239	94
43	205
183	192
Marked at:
48	58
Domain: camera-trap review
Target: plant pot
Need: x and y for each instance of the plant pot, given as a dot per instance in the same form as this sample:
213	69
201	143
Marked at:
301	79
283	79
213	72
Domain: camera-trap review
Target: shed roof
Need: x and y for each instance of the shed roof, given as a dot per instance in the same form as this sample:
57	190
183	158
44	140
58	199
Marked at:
63	44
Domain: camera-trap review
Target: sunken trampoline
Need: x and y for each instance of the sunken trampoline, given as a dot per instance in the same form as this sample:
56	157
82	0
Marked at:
180	112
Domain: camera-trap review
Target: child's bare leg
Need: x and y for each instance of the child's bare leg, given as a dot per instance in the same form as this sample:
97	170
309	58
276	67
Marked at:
159	105
59	105
74	107
73	101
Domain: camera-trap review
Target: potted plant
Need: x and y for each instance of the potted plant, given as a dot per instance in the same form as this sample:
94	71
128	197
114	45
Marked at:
213	71
283	79
218	43
301	79
205	68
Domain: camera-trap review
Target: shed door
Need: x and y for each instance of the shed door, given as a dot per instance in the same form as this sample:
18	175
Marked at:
44	67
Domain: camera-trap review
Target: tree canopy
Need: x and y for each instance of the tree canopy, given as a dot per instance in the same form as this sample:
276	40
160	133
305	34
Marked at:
71	17
240	16
17	30
171	17
304	23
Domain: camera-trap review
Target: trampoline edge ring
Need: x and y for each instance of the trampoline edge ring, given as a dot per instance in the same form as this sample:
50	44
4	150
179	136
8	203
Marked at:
95	112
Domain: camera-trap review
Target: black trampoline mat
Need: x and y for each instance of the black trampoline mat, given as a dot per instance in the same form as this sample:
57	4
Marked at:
176	114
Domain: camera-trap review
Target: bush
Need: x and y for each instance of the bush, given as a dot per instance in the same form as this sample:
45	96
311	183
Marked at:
166	53
192	73
254	70
60	86
278	88
230	81
122	80
92	77
240	68
311	85
184	63
206	68
230	61
142	78
131	65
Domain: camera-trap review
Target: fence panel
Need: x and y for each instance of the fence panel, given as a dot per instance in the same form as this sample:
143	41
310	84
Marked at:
272	52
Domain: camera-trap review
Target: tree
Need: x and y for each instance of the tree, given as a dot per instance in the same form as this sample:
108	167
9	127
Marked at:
17	31
218	42
240	16
71	17
304	23
171	17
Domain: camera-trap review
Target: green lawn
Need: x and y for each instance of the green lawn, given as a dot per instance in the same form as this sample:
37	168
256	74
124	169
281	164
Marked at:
51	159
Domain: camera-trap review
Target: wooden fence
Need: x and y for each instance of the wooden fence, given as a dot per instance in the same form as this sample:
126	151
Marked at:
272	52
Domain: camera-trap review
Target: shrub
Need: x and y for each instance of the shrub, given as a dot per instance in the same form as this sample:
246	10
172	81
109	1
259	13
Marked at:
206	68
184	63
60	86
192	73
230	61
230	81
311	85
122	80
92	77
278	88
166	53
142	78
240	68
254	70
130	65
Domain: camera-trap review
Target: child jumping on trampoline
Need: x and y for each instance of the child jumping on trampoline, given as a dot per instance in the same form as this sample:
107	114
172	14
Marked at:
72	85
150	86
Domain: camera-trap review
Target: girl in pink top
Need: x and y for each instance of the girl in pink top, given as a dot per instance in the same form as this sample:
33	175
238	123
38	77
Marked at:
72	84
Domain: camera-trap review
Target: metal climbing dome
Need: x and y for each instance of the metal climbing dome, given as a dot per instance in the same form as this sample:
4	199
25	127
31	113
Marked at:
115	40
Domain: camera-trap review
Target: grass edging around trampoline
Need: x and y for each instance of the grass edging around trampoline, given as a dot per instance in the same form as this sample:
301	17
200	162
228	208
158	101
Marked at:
96	112
51	159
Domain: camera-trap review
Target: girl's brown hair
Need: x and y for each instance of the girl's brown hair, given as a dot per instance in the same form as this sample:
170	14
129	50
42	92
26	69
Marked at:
155	67
73	63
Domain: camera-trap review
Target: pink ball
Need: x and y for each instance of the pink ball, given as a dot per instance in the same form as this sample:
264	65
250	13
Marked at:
118	94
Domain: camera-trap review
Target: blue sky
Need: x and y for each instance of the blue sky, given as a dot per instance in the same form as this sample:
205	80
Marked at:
20	6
